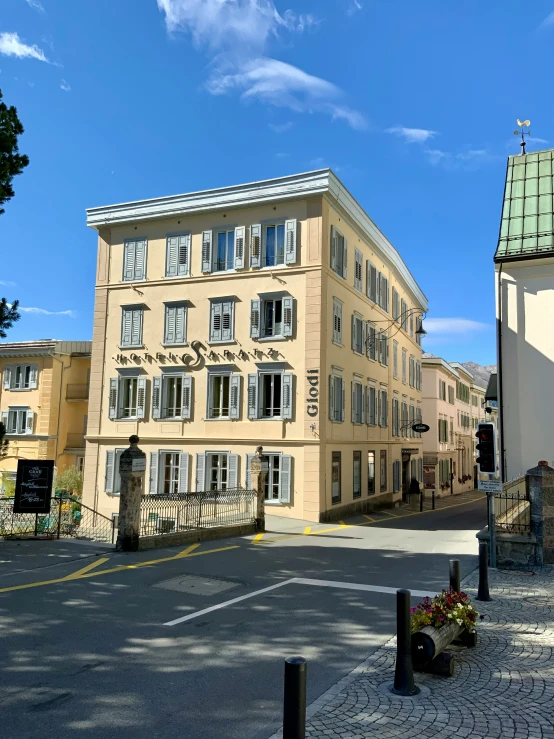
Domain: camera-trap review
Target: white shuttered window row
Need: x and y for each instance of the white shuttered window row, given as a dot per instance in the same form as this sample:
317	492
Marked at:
20	377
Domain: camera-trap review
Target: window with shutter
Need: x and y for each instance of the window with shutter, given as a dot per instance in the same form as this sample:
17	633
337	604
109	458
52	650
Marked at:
206	251
372	341
286	392
240	238
221	321
134	260
337	322
153	474
412	325
357	403
113	402
358	270
200	483
358	332
234	403
371	405
255	245
288	305
255	318
175	324
109	472
404	360
336	398
285	478
339	253
223	250
395	360
177	262
395	306
6	378
253	396
290	244
186	403
383	348
156	397
131	327
383	292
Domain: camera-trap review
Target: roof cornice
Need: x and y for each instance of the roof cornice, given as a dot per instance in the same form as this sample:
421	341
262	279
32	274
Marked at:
439	362
308	184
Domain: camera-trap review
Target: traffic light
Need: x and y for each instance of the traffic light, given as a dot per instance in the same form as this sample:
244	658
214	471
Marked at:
486	433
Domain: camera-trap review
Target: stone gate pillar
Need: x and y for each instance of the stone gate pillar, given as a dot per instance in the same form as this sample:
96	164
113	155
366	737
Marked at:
132	469
540	487
258	473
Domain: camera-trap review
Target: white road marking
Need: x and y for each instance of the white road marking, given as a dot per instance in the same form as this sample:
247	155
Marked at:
298	581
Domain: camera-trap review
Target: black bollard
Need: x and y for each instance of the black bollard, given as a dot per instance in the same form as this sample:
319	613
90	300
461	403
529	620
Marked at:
455	575
421	502
433	500
483	590
404	671
294	708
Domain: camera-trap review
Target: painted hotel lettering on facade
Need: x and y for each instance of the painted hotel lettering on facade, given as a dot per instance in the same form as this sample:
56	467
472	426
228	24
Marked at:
313	393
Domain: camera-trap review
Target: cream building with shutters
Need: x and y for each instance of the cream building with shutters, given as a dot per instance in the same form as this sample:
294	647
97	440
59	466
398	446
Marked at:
271	313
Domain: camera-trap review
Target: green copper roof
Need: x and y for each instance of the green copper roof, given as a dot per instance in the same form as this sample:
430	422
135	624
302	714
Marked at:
527	214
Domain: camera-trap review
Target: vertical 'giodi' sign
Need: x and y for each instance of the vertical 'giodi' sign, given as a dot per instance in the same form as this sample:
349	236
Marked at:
313	393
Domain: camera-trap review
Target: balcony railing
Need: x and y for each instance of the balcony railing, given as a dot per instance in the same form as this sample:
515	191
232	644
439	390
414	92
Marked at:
75	441
77	392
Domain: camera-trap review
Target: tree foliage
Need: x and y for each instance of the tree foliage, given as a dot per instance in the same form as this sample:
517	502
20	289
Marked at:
70	480
8	315
7	485
12	162
3	441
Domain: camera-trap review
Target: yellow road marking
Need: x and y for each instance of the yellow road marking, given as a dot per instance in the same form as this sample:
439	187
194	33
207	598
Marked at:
257	538
307	530
394	515
114	569
342	523
90	566
187	551
368	518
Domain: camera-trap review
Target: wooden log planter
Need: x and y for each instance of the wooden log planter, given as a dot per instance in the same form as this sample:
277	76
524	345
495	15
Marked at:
428	648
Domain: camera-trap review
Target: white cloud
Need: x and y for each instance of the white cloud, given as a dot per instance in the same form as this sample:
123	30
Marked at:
453	326
284	85
282	155
472	155
354	7
44	312
436	156
7	283
36	5
65	86
237	33
548	21
280	127
412	135
534	140
12	45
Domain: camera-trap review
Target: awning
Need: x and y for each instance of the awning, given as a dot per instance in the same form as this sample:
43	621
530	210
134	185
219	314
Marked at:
492	392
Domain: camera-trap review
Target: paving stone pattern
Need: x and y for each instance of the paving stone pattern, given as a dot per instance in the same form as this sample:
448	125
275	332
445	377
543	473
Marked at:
502	688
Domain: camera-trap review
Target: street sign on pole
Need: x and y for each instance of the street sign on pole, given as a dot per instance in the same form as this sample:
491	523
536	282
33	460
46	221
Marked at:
489	486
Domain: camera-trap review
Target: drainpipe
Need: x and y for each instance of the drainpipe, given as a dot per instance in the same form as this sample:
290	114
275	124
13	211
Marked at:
56	455
499	374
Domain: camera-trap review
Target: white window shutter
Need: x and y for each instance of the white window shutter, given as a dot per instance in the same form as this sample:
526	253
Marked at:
180	324
248	472
345	260
126	327
256	245
153	477
136	336
354	403
187	397
141	396
240	240
183	486
285	478
184	255
255	319
290	241
206	251
253	396
354	333
170	314
286	395
234	396
172	256
29	422
343	396
333	248
288	315
140	260
129	260
227	321
33	376
114	386
109	474
200	472
156	396
232	471
331	397
216	320
6	378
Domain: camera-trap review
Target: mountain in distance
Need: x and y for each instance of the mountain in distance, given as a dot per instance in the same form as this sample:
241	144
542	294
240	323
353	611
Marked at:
480	373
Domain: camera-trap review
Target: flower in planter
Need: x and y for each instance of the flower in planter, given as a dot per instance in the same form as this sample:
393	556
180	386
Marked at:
443	609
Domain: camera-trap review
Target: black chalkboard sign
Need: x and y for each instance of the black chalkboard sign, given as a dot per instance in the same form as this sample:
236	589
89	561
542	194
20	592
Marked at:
33	486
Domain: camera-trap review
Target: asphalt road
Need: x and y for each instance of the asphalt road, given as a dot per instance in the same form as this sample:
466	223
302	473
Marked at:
92	657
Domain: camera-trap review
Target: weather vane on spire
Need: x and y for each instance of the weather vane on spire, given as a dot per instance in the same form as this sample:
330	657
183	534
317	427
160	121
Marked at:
523	133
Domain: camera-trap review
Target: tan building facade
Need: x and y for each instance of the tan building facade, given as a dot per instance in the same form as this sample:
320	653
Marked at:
271	313
44	401
453	406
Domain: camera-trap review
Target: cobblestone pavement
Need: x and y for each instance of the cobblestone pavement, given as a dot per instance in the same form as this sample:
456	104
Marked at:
502	688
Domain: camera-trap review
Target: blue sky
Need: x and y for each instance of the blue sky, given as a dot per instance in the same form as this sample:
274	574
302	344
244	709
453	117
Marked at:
412	104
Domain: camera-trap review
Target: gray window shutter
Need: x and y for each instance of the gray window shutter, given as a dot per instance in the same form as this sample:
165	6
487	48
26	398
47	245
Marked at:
253	396
358	269
129	249
6	378
286	395
343	396
183	486
354	333
206	251
234	396
233	471
184	255
141	396
136	336
345	260
371	282
248	472
200	472
331	397
170	313
126	327
109	475
140	260
114	386
34	376
255	319
386	405
156	396
285	478
29	422
216	321
153	478
333	248
172	256
354	403
290	241
255	245
187	397
180	324
240	238
227	320
288	316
